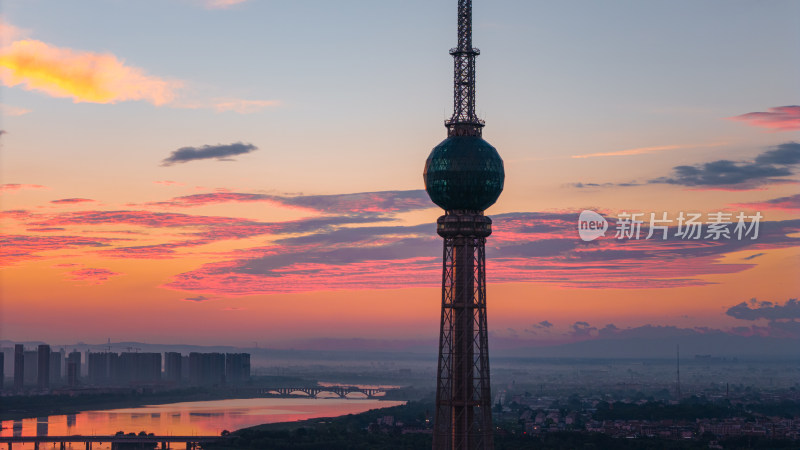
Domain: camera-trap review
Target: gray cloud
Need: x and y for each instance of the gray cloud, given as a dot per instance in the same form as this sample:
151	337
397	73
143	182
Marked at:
197	299
383	202
543	326
770	167
582	329
784	154
376	202
602	185
765	169
608	330
765	310
219	152
404	248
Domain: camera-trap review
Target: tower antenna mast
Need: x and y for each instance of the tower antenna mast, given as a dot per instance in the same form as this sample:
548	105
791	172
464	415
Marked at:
465	121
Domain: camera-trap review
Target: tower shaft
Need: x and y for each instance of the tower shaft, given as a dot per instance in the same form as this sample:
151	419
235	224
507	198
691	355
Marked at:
463	175
463	418
465	120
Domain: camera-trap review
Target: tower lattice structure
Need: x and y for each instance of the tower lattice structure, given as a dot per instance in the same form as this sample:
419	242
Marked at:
464	175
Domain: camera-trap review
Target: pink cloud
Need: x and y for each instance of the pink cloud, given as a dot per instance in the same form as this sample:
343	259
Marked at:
157	251
13	187
9	32
386	202
70	201
189	201
218	278
140	218
526	247
200	230
360	251
13	111
17	214
221	4
92	275
781	118
790	203
17	248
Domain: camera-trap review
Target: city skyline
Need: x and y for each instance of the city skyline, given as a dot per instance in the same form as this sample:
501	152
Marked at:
238	185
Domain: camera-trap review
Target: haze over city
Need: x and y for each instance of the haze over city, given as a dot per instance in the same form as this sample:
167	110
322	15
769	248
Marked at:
241	172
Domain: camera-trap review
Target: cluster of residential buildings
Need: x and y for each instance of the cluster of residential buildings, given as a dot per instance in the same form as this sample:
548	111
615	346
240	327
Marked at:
40	368
537	415
768	427
773	428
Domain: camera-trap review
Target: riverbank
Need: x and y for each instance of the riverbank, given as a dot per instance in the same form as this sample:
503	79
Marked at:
26	406
197	418
15	407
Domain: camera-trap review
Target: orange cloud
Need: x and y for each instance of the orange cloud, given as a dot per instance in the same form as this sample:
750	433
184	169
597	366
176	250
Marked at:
644	150
82	76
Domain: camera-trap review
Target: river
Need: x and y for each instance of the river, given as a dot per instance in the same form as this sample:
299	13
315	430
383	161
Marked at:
189	418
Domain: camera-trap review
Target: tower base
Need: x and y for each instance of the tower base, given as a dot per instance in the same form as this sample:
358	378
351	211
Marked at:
463	417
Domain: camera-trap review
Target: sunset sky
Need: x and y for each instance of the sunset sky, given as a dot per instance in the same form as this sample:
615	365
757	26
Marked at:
232	171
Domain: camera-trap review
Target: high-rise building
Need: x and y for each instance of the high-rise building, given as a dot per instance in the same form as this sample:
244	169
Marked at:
237	368
19	366
464	175
173	367
55	368
137	368
43	368
206	369
185	367
102	368
85	366
62	375
73	368
8	368
31	367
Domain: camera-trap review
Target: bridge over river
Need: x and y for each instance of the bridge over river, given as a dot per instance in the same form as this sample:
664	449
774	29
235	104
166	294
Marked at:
351	392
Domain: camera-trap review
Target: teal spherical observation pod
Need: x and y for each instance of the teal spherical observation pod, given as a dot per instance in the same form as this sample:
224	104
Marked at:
464	173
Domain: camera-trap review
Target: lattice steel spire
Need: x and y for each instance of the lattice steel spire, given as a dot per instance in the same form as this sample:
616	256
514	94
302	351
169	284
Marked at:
464	175
465	121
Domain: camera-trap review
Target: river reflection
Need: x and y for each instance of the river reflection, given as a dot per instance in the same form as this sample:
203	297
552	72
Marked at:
189	418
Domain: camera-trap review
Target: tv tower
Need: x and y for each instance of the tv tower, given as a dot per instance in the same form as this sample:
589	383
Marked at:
463	175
